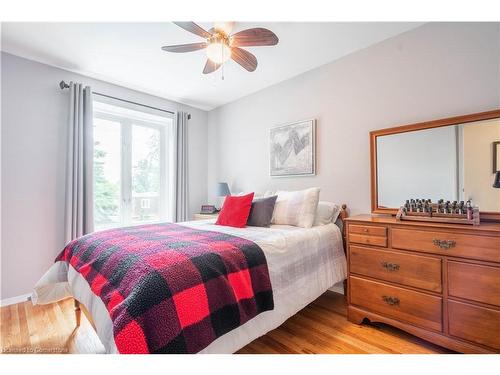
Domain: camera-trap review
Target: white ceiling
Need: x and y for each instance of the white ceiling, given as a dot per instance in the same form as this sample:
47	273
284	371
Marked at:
129	54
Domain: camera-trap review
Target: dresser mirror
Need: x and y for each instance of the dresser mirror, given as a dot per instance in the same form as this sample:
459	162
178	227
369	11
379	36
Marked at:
451	159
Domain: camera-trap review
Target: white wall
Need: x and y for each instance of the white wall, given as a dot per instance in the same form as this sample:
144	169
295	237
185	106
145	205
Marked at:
420	164
434	71
34	119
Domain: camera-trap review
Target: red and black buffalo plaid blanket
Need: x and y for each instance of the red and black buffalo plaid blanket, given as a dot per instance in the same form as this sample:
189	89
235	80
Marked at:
170	288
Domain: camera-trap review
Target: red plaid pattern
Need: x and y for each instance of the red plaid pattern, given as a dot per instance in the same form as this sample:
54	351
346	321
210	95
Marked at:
169	288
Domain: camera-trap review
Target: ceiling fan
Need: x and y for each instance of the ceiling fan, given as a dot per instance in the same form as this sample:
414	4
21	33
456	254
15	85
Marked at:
221	45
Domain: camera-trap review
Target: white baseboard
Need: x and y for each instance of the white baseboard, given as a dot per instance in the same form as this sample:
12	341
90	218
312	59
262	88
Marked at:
14	300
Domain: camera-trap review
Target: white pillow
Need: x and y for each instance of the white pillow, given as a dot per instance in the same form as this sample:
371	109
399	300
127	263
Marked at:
269	193
297	208
255	194
326	213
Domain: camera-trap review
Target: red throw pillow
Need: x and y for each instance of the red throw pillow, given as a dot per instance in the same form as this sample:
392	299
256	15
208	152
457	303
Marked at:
235	211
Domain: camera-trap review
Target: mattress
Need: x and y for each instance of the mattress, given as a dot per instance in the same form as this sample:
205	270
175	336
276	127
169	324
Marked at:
303	264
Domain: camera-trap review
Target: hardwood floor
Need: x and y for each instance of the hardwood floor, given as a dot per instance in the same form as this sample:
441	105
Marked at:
321	327
46	329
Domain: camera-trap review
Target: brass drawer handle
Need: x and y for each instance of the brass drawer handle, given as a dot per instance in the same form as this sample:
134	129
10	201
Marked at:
390	266
393	301
365	230
444	244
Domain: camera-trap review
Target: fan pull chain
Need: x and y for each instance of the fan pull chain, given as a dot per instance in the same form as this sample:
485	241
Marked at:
223	63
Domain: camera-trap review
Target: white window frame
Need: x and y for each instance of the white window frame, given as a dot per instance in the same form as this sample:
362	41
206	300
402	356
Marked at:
166	158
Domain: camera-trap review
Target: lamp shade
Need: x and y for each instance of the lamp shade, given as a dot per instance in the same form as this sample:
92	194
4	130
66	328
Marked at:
222	189
496	184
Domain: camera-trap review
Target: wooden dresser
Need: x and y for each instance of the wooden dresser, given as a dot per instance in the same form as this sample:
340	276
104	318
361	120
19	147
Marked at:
440	282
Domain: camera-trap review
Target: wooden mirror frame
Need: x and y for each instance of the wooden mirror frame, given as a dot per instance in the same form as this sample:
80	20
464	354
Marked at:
489	115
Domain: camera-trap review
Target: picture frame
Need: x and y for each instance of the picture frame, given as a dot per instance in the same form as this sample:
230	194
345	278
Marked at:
292	149
496	156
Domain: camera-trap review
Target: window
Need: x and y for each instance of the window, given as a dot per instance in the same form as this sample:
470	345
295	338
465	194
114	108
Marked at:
133	155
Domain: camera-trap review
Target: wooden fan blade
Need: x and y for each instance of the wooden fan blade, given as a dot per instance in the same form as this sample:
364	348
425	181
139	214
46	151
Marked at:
185	47
254	37
194	28
210	67
244	58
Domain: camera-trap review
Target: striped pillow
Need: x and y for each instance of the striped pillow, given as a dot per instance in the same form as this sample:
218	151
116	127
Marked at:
297	208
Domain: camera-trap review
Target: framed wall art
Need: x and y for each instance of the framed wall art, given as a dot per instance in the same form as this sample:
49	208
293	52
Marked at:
292	149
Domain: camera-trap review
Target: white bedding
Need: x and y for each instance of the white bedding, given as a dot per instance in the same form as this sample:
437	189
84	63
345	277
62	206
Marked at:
303	264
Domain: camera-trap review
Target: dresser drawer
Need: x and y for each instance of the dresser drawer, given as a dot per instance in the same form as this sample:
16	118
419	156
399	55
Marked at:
448	243
368	240
371	230
474	282
417	308
412	270
474	323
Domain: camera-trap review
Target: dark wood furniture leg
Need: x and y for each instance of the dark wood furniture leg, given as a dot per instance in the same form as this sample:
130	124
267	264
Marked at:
343	216
78	313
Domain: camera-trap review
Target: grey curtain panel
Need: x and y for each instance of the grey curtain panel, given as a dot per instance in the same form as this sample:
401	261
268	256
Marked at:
181	175
79	218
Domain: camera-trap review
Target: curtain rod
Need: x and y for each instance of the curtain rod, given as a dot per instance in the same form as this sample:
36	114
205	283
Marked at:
63	85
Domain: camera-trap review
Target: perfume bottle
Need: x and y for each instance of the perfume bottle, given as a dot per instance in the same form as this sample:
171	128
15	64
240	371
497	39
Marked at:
468	205
461	208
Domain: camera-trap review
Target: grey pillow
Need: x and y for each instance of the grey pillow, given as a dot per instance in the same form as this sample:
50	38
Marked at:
261	212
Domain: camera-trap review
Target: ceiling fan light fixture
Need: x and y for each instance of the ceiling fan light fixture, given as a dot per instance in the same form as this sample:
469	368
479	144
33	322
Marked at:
218	52
221	45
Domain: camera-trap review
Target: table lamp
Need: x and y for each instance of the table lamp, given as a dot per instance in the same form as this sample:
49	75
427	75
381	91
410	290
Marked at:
222	191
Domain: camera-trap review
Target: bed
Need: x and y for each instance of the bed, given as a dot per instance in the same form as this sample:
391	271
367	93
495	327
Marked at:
302	263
